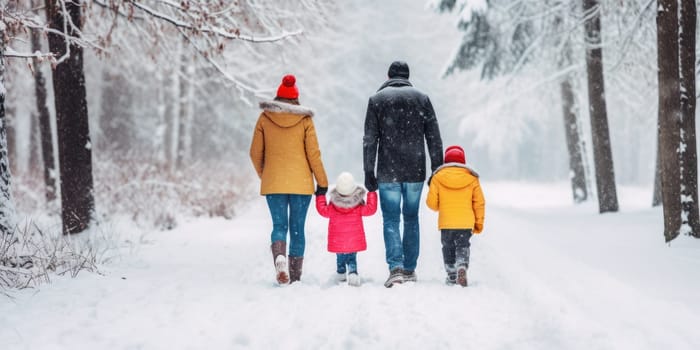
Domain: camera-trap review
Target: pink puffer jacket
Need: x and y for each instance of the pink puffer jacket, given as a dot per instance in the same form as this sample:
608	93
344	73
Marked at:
346	233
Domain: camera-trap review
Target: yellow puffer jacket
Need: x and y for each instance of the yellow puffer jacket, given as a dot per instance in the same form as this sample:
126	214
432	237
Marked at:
455	193
285	151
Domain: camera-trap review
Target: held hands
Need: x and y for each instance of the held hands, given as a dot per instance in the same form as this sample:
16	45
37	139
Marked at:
478	228
370	181
320	191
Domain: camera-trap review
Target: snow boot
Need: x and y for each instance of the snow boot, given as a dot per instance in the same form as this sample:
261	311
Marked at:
409	276
451	279
341	277
279	257
354	279
395	276
462	275
295	264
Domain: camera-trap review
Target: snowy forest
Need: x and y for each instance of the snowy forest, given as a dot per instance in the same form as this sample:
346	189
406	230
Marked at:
127	192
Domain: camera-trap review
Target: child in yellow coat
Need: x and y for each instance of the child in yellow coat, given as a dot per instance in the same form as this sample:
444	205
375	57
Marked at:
455	193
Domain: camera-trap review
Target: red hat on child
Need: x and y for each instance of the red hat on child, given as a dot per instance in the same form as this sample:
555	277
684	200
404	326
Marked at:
455	154
288	88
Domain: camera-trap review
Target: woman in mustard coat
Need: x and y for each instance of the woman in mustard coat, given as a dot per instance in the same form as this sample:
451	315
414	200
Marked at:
286	157
455	193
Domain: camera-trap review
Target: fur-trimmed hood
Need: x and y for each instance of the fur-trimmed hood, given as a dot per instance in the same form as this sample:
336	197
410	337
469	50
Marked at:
281	107
459	165
357	197
452	175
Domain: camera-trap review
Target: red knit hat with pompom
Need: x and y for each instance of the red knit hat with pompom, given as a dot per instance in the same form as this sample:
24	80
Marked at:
455	154
288	88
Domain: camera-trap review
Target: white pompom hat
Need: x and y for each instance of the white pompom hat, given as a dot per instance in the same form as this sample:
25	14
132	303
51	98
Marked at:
345	184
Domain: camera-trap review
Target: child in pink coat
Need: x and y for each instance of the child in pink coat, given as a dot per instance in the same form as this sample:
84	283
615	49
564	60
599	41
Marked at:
346	233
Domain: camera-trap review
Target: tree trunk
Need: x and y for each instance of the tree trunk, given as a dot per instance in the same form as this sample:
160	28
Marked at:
602	154
74	146
573	143
169	138
7	212
186	96
689	159
656	196
10	125
669	115
573	140
172	131
115	124
159	139
44	119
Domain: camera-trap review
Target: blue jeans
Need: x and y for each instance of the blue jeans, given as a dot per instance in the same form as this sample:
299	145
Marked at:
288	213
401	253
349	260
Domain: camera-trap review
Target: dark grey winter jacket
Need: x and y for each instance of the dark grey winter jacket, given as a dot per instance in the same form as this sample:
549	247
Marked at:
400	120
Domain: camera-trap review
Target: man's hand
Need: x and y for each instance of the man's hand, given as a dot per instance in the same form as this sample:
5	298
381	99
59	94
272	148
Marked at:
370	181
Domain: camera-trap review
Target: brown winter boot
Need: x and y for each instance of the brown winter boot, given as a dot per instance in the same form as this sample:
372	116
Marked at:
462	276
279	257
295	264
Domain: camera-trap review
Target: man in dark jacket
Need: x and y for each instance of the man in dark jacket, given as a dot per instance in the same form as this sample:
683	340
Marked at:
400	121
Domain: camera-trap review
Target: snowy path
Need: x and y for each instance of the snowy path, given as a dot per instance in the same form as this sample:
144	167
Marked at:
551	276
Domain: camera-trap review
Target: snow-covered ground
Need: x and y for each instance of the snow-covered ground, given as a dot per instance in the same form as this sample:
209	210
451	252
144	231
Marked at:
544	275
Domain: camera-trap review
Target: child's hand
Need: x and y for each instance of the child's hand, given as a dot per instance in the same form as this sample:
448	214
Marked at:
478	228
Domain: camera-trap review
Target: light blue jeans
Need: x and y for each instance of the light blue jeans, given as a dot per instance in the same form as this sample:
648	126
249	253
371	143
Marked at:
288	213
346	262
401	253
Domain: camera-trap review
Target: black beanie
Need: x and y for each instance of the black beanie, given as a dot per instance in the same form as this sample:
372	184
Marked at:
398	69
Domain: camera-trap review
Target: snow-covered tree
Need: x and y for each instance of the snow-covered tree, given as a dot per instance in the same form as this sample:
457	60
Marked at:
502	37
602	152
676	123
7	212
140	38
689	161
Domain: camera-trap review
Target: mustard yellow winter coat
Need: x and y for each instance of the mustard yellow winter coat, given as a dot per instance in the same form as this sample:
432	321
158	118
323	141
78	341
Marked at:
285	150
455	193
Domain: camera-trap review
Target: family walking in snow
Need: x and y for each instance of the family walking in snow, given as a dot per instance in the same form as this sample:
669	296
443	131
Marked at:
400	121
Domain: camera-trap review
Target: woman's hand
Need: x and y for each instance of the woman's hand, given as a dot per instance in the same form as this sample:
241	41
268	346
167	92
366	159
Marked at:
321	190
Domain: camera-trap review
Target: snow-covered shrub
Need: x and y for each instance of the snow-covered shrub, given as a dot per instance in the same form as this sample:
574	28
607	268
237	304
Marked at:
157	196
36	252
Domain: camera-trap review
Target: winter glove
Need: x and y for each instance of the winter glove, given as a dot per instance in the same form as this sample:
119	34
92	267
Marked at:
478	228
320	191
370	181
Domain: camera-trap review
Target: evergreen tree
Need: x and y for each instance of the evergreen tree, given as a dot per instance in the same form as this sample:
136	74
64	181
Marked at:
501	38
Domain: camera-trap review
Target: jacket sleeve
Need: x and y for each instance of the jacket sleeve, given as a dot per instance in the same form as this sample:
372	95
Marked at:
313	154
371	206
433	199
321	205
257	148
432	135
370	142
478	204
